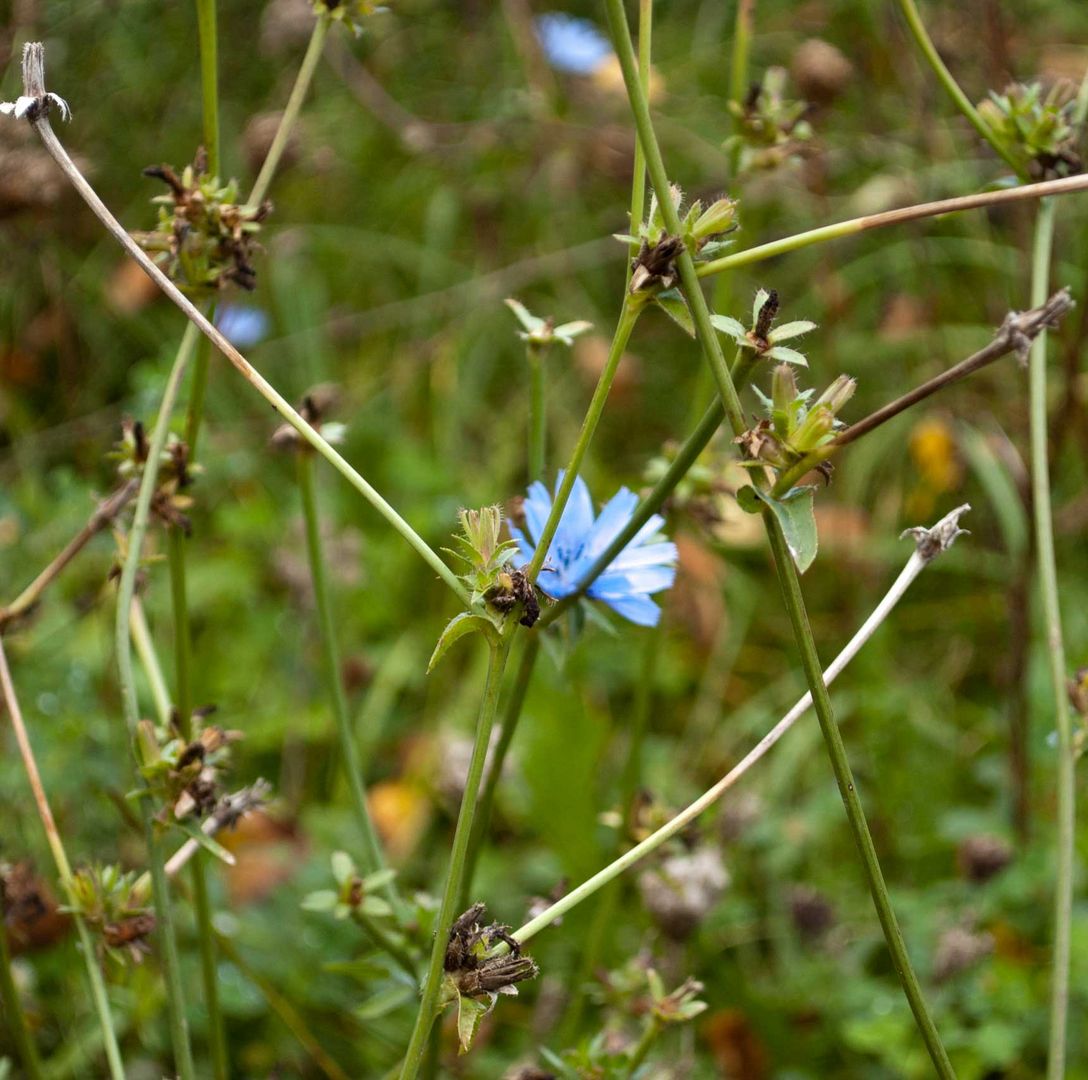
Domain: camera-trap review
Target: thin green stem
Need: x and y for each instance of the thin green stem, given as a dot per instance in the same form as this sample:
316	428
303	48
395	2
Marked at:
183	689
209	79
1066	186
538	410
500	652
64	869
387	944
643	1046
145	649
629	314
686	456
290	113
179	1027
708	339
291	1017
510	717
840	764
194	417
202	908
638	171
742	45
1055	648
947	80
373	859
12	1011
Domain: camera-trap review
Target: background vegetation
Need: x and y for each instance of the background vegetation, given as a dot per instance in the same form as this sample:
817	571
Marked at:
439	167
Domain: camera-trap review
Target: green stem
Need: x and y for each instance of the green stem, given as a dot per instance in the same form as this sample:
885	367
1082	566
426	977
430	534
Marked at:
643	1046
291	1017
183	692
197	393
373	859
840	764
1066	186
387	944
64	869
946	79
500	652
509	724
1055	648
692	447
290	113
742	44
145	649
202	908
12	1006
629	314
179	1029
538	411
209	79
708	339
638	172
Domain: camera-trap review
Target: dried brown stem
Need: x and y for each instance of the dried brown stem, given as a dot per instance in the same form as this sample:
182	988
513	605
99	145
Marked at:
107	510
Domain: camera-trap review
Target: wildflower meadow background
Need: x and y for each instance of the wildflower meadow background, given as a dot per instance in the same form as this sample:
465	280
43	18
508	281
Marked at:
450	155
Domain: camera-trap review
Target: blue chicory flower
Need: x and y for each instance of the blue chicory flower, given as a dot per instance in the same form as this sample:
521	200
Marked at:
571	45
639	570
243	326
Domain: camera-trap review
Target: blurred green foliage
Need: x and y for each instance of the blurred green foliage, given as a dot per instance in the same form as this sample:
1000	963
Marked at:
438	170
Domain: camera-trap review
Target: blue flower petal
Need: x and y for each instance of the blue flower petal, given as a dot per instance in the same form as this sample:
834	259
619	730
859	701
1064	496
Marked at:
651	528
571	45
614	515
648	579
575	525
663	553
525	549
639	609
537	506
243	326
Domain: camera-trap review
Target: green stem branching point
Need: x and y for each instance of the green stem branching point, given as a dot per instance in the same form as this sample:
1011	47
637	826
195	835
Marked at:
373	858
428	1007
1055	650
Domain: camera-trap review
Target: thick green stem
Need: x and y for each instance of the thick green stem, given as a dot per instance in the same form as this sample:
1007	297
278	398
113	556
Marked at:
840	764
428	1007
708	339
538	411
1055	648
946	79
373	859
179	1027
209	79
290	113
202	908
632	306
638	172
511	716
13	1014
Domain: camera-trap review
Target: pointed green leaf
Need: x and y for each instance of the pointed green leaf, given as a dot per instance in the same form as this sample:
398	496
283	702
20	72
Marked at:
470	1013
376	907
322	900
192	830
531	323
733	327
379	879
787	355
458	627
568	331
791	329
795	515
343	867
676	307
